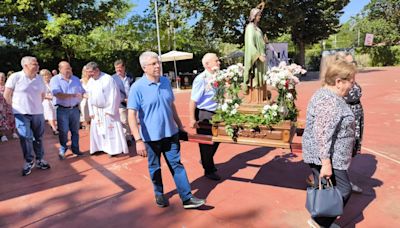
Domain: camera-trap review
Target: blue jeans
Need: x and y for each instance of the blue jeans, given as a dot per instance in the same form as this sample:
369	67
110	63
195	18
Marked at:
170	147
30	129
68	119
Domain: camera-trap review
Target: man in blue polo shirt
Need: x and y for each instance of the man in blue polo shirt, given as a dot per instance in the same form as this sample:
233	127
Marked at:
67	90
201	109
152	99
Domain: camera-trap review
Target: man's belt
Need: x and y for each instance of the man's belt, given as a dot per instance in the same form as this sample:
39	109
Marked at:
68	107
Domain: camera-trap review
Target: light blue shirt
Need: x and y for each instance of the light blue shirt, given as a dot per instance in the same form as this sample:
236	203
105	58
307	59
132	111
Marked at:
72	86
123	86
202	93
154	102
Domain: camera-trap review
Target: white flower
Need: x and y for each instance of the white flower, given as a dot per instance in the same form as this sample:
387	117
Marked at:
289	96
224	107
266	107
234	111
274	107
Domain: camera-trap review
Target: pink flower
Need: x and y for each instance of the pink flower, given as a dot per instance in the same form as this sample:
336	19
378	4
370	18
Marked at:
215	84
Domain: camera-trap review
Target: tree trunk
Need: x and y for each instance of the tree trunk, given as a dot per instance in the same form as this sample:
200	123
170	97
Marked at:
302	52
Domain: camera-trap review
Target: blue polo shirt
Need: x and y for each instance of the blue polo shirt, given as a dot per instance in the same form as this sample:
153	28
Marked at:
59	85
153	101
202	93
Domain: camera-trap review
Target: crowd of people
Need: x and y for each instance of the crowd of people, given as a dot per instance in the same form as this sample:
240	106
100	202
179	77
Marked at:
119	112
99	102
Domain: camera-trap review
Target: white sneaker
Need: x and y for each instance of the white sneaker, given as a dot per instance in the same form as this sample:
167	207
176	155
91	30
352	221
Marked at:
15	136
4	138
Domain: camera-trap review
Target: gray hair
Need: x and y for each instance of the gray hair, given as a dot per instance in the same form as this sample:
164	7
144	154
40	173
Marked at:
145	56
92	66
26	60
2	74
207	58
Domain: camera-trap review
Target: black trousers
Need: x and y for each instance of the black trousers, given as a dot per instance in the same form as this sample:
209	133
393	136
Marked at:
341	180
207	152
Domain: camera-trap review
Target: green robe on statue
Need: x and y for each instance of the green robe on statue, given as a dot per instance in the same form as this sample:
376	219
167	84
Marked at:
254	47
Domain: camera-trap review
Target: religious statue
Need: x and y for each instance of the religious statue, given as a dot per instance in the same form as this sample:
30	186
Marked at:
255	66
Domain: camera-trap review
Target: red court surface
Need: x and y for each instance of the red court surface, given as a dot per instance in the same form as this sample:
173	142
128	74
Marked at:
260	187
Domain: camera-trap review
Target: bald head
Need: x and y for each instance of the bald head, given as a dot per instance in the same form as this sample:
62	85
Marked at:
211	62
65	69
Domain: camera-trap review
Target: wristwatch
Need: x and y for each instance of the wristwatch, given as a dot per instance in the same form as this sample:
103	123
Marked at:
139	139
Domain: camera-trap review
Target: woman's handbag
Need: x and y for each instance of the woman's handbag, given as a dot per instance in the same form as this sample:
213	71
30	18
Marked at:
324	201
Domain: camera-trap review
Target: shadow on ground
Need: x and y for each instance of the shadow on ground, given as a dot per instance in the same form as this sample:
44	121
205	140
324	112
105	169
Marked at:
361	173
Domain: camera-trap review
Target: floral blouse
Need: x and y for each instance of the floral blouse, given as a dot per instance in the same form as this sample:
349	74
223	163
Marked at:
353	99
329	131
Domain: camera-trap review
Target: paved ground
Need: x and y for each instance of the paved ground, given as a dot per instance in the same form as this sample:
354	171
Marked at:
261	187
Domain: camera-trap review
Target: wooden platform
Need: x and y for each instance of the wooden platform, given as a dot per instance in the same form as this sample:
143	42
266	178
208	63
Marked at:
253	141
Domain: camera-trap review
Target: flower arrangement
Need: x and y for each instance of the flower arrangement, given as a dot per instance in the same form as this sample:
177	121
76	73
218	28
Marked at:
285	78
227	85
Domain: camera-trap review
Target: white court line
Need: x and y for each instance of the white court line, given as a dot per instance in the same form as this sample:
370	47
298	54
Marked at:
382	155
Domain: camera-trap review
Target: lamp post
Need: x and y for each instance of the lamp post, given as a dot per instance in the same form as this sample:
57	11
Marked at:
158	36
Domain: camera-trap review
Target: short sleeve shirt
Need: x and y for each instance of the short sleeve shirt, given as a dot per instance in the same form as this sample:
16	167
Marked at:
153	101
59	85
203	93
27	93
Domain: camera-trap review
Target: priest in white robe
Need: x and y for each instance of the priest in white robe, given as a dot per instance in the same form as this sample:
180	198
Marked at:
106	132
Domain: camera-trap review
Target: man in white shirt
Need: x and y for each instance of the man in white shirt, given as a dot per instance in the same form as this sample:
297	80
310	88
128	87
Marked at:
25	91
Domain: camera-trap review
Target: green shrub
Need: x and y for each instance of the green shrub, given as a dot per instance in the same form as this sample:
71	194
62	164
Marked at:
363	60
313	59
382	56
396	52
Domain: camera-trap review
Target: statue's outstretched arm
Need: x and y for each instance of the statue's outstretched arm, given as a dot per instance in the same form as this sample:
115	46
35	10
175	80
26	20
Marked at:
261	6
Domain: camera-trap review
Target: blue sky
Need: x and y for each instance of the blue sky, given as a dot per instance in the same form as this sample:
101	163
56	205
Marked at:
354	7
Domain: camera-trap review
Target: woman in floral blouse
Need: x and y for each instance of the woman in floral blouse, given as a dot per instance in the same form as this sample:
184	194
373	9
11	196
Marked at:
7	121
328	137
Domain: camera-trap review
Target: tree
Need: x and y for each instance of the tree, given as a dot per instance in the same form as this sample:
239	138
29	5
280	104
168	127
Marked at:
308	21
382	18
313	20
48	26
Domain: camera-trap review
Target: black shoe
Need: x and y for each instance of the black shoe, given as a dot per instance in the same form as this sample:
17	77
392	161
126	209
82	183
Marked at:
193	203
213	176
27	168
42	164
129	143
79	154
161	201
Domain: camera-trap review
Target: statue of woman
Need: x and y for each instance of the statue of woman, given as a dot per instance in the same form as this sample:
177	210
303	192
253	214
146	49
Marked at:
254	55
